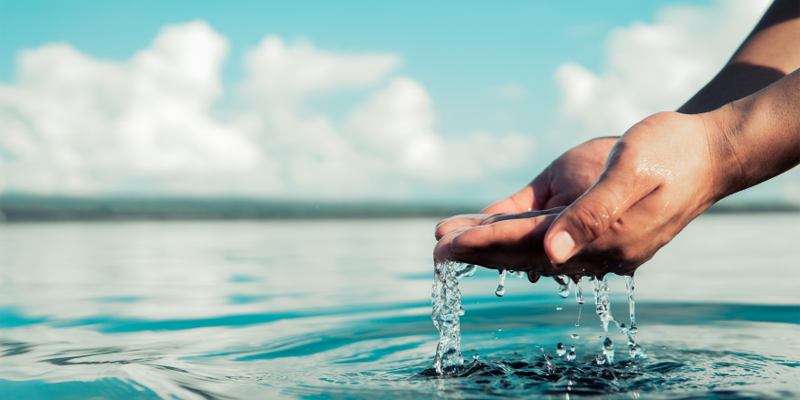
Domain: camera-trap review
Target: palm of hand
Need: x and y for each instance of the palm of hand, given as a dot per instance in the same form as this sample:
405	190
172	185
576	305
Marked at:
560	184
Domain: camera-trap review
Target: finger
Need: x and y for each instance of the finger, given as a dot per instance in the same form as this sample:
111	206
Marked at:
592	214
516	203
443	250
527	214
531	261
531	197
524	234
449	224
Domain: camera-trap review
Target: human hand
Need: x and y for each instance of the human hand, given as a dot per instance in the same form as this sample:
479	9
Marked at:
561	183
660	175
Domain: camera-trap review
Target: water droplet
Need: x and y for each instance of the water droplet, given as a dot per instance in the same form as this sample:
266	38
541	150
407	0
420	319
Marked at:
499	329
571	356
579	291
635	350
600	360
559	308
578	322
563	289
501	288
576	336
608	350
560	350
460	311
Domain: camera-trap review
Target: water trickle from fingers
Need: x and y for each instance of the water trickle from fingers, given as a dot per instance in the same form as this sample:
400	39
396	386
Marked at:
629	284
563	287
501	284
446	302
446	310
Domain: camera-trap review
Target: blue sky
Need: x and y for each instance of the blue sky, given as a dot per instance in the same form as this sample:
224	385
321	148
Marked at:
474	75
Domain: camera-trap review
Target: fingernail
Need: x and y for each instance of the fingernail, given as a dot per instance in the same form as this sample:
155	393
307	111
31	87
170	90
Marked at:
562	244
554	265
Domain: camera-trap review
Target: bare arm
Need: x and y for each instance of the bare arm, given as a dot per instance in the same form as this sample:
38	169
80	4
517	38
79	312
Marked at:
770	52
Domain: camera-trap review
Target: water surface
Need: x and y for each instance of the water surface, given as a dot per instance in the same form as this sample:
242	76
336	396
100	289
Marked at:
341	309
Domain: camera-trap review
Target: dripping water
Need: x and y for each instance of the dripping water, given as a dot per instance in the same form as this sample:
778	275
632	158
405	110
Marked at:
629	284
501	284
579	291
563	287
446	305
608	350
603	307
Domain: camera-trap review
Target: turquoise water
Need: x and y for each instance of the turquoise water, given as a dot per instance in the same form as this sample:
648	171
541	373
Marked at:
341	309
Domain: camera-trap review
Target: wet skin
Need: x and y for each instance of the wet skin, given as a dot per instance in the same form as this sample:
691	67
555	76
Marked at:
659	176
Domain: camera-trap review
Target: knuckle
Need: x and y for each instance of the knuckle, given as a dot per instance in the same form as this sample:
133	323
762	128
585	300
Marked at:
591	220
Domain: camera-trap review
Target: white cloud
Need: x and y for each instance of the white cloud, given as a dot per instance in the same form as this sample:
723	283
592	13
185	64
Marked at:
74	124
277	69
653	67
658	67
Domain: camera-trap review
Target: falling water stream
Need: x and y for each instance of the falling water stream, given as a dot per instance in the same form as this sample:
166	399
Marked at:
446	305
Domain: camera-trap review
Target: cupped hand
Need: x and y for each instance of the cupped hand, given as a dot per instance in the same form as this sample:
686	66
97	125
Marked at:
508	241
560	184
660	175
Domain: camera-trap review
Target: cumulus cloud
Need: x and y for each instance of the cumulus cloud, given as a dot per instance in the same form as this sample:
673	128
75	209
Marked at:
658	67
75	124
653	67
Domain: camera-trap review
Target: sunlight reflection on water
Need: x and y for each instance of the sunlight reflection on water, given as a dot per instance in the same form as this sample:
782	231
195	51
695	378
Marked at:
341	309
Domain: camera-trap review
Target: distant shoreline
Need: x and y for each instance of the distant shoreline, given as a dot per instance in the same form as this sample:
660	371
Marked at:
47	209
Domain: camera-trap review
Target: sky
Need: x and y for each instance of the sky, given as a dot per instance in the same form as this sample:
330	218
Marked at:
436	102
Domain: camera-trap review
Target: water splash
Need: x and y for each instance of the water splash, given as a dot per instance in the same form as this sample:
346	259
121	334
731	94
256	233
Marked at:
466	271
600	359
501	284
547	360
629	284
608	350
571	356
446	304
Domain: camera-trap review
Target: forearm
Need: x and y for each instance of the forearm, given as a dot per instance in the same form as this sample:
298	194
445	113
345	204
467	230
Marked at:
768	54
757	137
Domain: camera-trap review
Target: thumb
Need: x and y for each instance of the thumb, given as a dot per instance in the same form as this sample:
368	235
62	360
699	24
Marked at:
590	216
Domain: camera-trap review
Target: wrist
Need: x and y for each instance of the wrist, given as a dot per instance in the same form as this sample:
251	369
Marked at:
723	126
